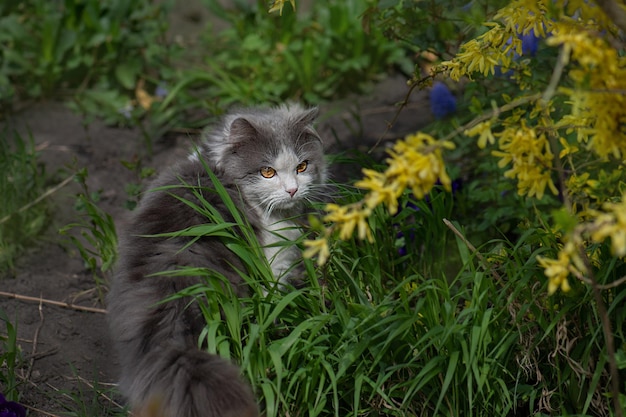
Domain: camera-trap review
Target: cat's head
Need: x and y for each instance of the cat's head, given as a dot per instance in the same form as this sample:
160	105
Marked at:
274	155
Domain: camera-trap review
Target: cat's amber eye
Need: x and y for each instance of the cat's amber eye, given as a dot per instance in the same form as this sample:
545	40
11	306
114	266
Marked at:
268	172
302	166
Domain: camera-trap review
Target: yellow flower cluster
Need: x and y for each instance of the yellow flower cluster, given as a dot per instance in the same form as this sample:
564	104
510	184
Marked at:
414	163
495	47
531	159
524	16
483	54
599	99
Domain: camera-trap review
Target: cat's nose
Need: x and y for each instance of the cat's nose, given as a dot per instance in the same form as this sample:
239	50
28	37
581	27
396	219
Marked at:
292	191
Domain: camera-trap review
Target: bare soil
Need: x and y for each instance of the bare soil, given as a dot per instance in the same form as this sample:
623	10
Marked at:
67	351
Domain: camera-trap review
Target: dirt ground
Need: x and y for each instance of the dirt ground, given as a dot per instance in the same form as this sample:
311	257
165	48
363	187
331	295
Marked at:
66	350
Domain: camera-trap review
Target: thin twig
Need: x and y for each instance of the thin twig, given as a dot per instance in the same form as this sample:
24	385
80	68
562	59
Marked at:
36	201
39	411
33	351
494	113
548	93
557	73
106	397
52	302
402	105
41	355
473	249
587	281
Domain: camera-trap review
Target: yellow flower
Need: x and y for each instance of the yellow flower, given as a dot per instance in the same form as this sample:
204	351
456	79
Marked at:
482	129
317	247
347	218
279	4
557	271
568	148
380	190
612	224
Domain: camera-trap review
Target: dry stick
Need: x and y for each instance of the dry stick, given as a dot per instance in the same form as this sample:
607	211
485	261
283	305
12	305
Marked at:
39	411
475	251
33	351
48	193
52	302
106	397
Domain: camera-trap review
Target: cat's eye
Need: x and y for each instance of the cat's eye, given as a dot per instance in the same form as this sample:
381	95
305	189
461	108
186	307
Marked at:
268	172
302	166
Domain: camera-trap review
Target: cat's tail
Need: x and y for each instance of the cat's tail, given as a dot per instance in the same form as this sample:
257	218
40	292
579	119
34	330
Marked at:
176	382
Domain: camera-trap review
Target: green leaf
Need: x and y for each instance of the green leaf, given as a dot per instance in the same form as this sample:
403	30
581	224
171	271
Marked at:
126	73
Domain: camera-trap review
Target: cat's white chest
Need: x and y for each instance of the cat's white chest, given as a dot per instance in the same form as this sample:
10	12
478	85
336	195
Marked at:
279	239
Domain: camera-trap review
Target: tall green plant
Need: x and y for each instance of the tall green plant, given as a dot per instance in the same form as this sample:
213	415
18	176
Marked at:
94	235
23	212
10	359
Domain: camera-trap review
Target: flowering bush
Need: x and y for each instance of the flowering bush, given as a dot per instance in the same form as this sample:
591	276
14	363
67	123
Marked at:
558	133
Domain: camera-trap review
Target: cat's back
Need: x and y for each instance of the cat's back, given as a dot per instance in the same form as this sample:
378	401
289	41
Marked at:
148	245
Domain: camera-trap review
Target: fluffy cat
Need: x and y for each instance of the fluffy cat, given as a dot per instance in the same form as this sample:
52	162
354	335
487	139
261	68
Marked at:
271	162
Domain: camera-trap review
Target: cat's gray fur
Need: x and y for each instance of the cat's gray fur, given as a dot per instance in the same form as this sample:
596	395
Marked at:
161	365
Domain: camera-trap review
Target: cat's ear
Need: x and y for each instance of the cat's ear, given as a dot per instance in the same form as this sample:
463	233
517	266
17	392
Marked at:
308	116
241	130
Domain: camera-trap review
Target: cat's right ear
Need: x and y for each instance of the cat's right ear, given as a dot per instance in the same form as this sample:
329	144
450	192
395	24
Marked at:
308	116
241	130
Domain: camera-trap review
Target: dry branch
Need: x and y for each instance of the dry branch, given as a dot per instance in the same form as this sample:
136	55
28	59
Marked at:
52	302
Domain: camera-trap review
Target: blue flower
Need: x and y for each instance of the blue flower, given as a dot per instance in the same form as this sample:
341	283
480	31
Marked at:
530	42
442	101
161	90
11	408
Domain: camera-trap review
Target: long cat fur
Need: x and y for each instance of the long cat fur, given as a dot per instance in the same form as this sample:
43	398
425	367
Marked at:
161	365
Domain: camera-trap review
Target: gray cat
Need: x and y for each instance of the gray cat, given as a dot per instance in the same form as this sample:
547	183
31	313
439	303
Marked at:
271	162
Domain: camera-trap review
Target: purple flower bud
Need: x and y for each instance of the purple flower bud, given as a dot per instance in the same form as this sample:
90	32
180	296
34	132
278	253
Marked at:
442	101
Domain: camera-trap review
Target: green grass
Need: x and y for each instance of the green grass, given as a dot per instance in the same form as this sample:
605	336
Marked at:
10	359
94	235
23	215
414	326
